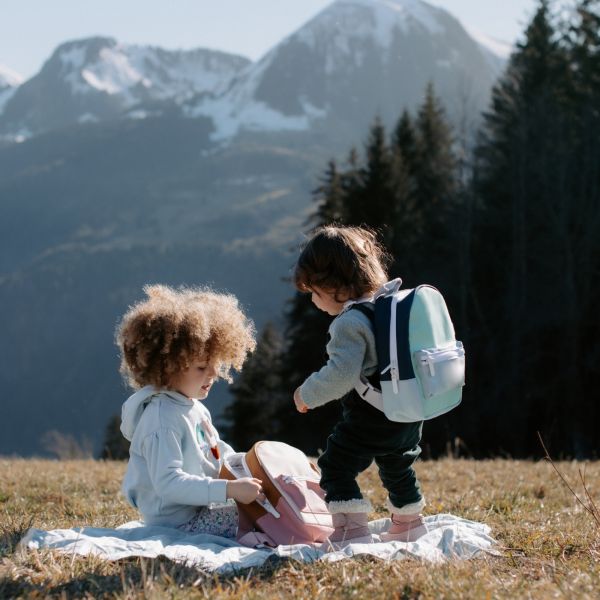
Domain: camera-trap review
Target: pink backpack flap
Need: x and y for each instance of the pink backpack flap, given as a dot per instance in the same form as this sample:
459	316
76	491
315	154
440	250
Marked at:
295	511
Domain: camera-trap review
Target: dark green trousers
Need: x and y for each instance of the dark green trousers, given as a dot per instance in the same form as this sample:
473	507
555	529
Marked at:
365	434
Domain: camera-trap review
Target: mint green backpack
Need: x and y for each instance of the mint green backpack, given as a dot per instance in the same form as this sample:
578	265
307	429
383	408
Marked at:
421	364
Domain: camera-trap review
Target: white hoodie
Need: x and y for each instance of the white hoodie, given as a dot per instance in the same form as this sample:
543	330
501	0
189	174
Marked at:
171	468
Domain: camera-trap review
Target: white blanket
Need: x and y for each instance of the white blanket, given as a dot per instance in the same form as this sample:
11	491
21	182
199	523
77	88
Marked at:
448	537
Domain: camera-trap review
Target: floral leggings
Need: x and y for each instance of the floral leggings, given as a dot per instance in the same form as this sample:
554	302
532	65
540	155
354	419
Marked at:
215	519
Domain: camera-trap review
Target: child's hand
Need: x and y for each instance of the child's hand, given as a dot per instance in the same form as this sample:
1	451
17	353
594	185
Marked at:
300	406
245	490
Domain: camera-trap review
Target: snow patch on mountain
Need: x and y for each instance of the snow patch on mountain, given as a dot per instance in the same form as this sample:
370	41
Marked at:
9	78
230	118
238	110
132	71
496	52
114	73
9	82
498	47
373	19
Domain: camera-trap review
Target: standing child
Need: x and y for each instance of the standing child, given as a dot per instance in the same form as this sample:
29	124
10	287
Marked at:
174	345
340	267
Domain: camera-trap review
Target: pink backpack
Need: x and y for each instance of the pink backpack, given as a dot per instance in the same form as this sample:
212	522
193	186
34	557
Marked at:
295	511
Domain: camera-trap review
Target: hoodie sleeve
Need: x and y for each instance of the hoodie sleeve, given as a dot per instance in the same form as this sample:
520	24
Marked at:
162	451
350	337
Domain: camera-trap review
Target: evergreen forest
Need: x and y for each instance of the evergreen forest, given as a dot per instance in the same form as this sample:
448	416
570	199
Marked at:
505	222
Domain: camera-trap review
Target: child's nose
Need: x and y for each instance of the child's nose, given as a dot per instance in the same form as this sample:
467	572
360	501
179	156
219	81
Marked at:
212	370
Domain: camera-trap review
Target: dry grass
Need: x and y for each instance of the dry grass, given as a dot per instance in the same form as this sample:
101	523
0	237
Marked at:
551	544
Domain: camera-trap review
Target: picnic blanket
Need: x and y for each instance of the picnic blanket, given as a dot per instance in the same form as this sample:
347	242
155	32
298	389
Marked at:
448	537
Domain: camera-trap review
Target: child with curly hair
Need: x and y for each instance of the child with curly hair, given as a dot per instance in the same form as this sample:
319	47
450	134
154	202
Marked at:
341	267
174	345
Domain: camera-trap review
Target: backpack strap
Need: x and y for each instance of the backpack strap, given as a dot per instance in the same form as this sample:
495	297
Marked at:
369	388
369	394
368	309
365	310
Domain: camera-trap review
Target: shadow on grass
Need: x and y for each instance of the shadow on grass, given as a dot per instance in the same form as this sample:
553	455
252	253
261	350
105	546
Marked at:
139	576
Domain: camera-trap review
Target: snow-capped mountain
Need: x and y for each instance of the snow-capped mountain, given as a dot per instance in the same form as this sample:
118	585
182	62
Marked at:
99	78
9	82
355	59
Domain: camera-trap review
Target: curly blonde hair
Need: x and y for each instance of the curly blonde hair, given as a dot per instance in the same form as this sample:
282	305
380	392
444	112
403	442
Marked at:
161	336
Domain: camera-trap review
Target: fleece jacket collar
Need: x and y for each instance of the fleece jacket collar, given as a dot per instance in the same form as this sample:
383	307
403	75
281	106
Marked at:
387	288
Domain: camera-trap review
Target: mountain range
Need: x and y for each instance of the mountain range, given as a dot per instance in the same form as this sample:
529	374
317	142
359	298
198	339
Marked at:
124	165
100	79
355	58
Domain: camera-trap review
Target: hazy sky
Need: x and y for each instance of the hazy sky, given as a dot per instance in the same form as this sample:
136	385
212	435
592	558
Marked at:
31	29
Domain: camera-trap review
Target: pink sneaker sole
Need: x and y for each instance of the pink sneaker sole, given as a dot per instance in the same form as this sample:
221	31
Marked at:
342	535
409	535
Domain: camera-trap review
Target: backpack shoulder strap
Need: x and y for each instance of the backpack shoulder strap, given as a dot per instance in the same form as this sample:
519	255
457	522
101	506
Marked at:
368	309
363	307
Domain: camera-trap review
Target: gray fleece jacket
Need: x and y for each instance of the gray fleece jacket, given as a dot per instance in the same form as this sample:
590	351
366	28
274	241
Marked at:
352	353
171	469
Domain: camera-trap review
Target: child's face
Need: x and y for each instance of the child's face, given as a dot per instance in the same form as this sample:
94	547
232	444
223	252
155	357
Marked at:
196	381
326	301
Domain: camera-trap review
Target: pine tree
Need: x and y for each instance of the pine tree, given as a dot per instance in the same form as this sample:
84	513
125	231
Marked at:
520	177
257	395
404	141
435	187
377	190
371	205
408	223
578	225
115	446
435	163
351	187
329	196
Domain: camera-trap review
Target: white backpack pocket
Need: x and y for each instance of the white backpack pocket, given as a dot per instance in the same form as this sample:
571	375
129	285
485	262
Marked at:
440	369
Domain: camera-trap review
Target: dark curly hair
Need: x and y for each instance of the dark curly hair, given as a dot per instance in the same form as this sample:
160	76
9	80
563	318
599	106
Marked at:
347	261
161	336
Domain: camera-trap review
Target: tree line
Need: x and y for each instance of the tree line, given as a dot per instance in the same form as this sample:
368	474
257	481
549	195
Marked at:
508	228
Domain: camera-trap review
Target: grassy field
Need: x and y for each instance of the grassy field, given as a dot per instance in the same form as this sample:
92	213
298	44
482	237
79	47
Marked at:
550	544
